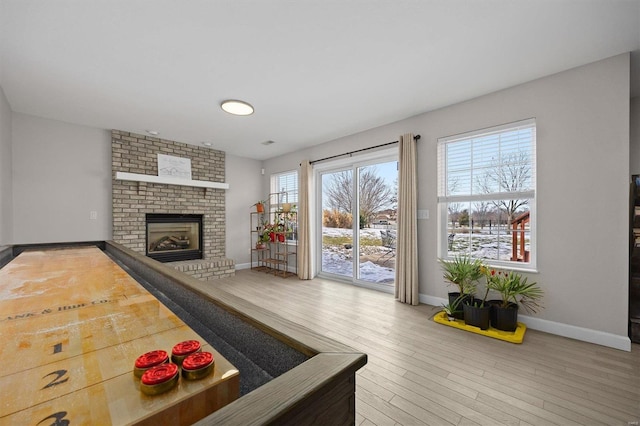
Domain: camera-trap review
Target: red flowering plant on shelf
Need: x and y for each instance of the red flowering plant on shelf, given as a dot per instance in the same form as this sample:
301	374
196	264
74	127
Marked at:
273	231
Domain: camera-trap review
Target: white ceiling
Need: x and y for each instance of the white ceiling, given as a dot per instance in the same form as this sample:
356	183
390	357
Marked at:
314	70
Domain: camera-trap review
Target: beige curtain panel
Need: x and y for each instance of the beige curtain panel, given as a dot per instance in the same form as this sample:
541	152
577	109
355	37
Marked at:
406	290
304	231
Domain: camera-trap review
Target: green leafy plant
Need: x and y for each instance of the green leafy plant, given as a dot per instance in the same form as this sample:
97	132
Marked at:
452	308
462	271
264	237
514	288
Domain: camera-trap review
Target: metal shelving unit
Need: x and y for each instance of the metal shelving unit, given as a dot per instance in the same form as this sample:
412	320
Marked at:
279	254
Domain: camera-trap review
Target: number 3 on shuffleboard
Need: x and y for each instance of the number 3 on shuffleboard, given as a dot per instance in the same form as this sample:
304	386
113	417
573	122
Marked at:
57	380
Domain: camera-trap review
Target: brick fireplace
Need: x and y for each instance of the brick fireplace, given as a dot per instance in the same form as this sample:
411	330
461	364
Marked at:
133	201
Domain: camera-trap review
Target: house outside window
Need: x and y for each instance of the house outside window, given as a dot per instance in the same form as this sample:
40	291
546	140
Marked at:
487	195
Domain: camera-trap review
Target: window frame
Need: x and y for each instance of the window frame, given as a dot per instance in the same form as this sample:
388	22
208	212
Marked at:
444	200
273	183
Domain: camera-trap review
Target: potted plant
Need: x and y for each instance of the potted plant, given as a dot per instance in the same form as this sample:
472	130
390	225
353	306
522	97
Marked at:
269	232
464	273
260	206
515	291
477	312
452	309
279	230
263	238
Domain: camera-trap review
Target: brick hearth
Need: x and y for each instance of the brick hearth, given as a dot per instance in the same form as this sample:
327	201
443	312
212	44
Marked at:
136	153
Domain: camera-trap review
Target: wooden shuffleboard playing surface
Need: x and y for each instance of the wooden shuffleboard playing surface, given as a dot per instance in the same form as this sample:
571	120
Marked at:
72	323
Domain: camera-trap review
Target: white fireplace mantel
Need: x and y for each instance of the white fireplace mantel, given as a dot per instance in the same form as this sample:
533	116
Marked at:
170	180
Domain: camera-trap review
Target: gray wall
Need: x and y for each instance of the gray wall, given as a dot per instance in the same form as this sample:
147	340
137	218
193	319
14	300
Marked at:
634	135
245	180
62	168
6	178
61	172
582	193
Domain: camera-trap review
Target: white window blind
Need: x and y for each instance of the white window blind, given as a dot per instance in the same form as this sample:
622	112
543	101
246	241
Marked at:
497	161
286	184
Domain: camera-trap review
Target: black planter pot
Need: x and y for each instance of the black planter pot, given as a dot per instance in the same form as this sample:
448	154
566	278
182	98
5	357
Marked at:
475	315
452	298
492	314
505	319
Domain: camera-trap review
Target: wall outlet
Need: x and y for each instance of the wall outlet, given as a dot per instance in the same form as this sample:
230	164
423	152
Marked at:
423	214
93	215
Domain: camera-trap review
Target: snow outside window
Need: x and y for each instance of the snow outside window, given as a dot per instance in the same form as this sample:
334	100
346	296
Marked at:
486	195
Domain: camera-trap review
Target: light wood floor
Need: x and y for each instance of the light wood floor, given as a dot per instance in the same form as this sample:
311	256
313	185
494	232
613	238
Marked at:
420	372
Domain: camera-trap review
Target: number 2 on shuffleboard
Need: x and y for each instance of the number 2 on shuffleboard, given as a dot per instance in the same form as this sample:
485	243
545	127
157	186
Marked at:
57	380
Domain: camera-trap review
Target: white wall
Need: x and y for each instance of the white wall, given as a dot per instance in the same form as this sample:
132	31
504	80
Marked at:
582	194
61	172
6	179
245	179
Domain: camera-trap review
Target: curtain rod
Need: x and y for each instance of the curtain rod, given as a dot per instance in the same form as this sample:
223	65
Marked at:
416	137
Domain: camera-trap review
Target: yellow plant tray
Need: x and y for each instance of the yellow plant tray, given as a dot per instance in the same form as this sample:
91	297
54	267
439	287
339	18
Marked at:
508	336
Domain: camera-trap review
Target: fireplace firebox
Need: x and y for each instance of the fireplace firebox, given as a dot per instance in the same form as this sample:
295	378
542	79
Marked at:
174	237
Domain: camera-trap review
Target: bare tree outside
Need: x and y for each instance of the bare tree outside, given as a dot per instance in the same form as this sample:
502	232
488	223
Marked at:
454	213
511	174
481	212
394	198
339	191
375	193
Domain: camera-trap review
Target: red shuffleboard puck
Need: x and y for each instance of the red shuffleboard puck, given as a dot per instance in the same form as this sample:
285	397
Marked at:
148	360
184	349
197	365
159	379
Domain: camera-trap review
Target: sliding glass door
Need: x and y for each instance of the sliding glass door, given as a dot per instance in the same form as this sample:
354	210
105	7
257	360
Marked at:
358	204
337	223
377	214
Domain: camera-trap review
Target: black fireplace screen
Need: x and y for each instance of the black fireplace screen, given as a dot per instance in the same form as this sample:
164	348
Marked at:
172	237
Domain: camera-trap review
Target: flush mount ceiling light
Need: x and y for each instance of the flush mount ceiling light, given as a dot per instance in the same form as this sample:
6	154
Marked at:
207	143
236	107
153	132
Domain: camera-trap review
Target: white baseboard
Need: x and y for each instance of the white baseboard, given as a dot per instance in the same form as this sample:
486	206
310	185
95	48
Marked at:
560	329
240	266
432	300
579	333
